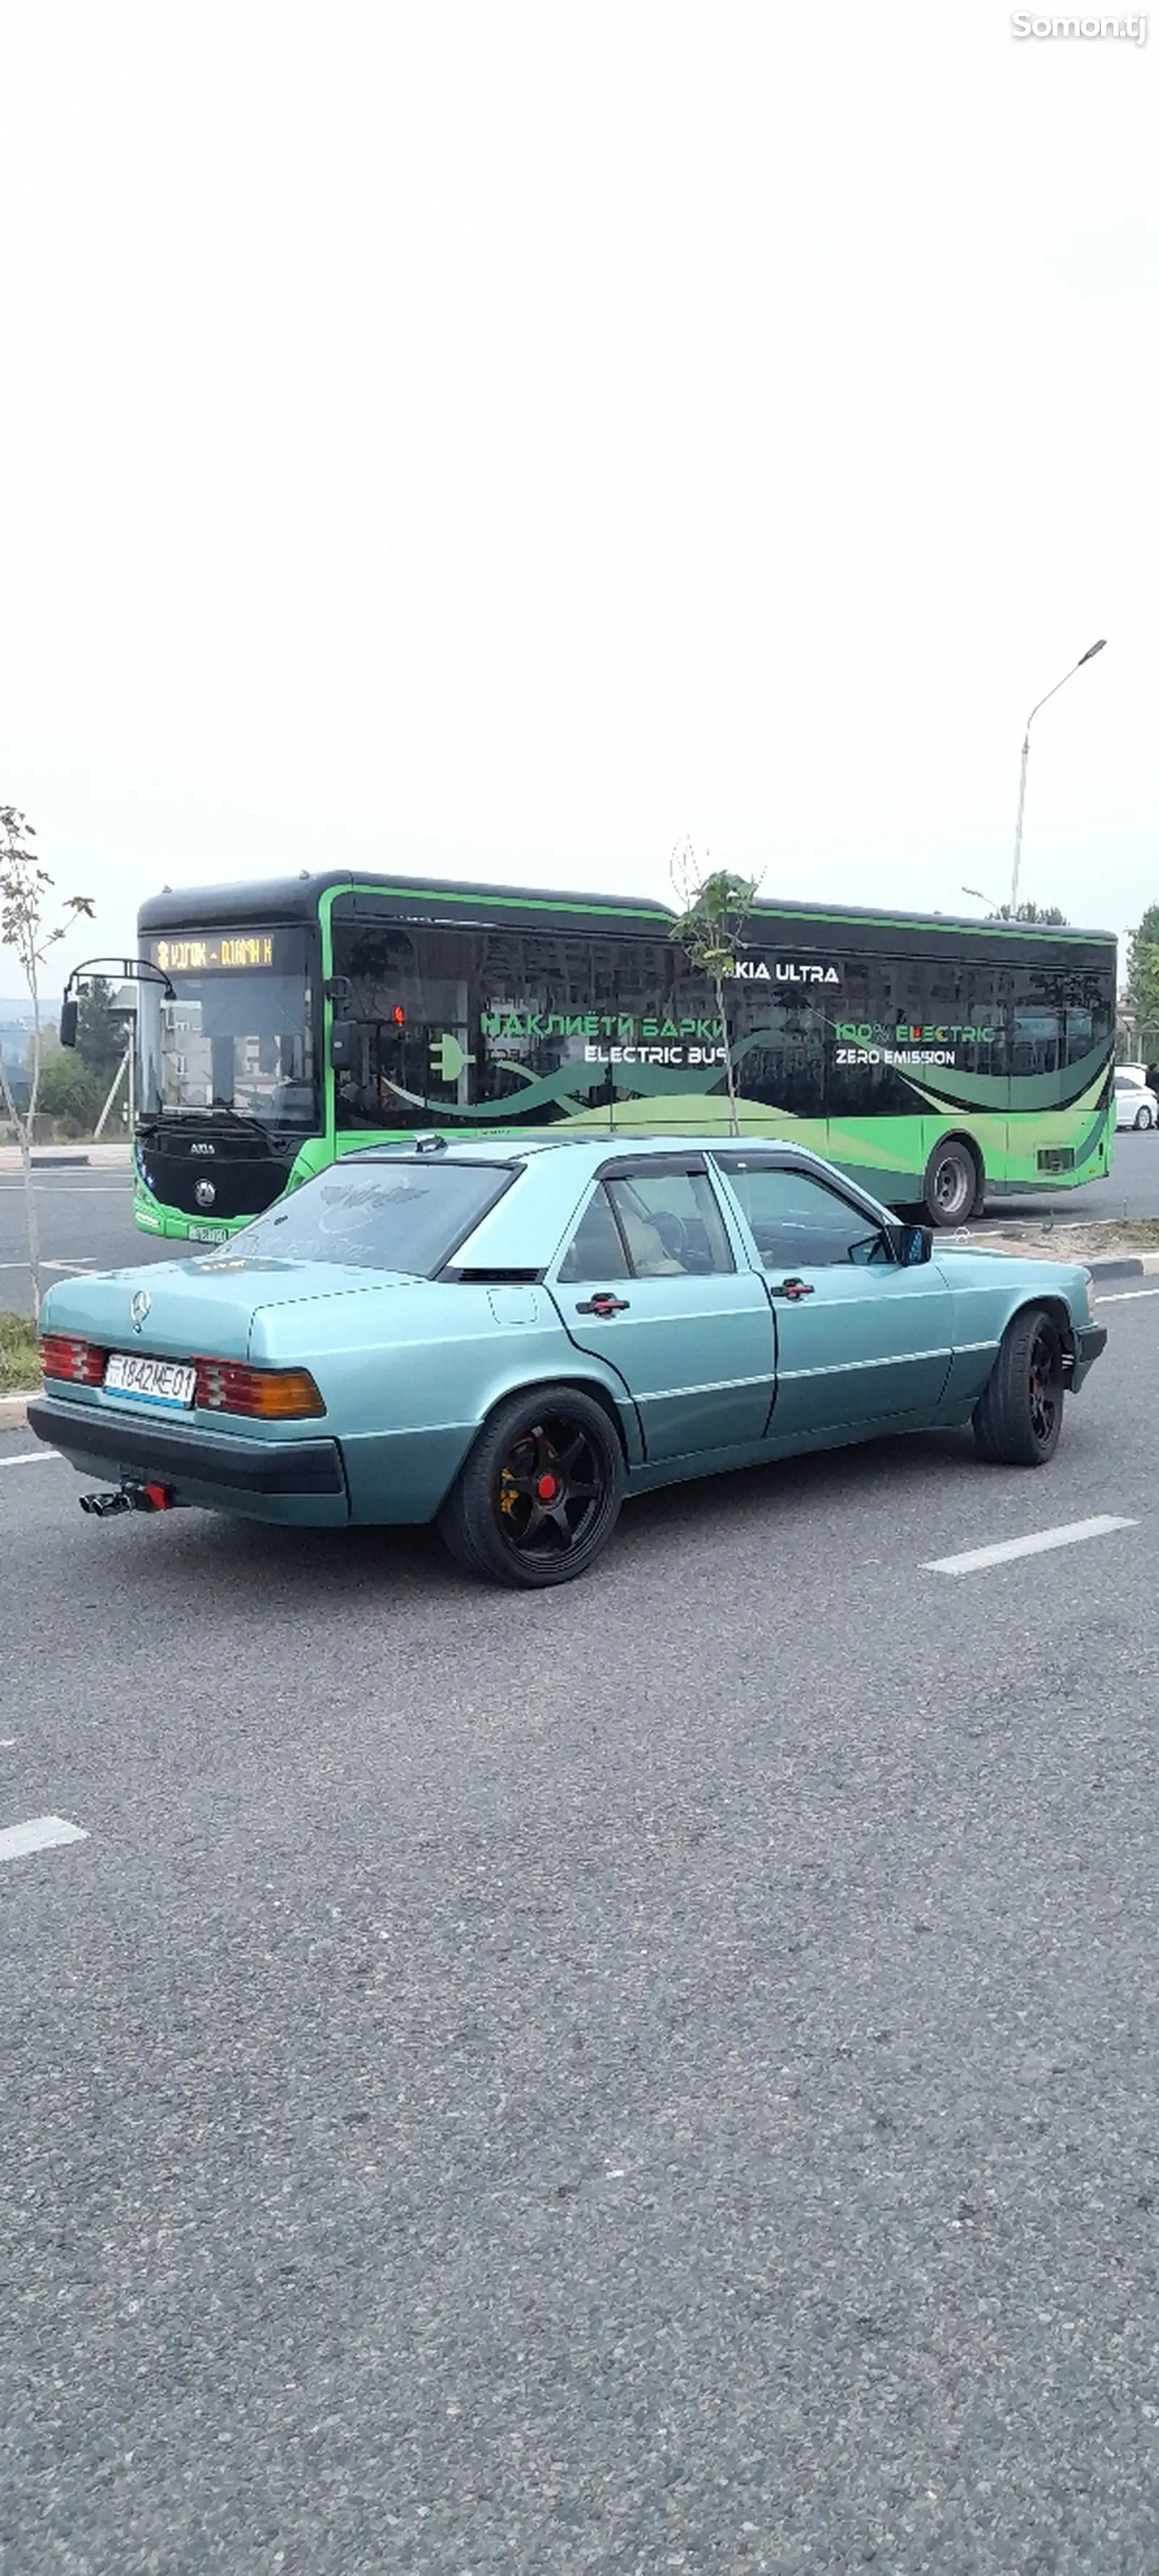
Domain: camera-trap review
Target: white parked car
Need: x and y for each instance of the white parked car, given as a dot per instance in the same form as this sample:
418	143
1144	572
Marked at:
1135	1106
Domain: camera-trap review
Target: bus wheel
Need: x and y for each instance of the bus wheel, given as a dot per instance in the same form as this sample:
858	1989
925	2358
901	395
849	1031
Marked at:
953	1183
1018	1420
538	1498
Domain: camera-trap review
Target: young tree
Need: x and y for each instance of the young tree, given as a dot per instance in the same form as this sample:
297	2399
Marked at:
25	927
1142	993
1047	914
75	1082
714	907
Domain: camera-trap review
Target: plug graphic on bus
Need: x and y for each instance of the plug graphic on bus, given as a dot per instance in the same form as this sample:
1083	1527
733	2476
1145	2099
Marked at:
449	1058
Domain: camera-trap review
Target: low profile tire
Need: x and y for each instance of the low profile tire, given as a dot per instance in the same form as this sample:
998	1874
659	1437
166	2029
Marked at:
1018	1421
952	1185
1143	1117
538	1498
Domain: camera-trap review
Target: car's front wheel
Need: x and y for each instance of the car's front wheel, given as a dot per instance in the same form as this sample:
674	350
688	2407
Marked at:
538	1498
1018	1421
1143	1117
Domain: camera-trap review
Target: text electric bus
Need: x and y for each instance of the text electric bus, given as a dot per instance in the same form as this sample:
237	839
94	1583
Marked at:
933	1059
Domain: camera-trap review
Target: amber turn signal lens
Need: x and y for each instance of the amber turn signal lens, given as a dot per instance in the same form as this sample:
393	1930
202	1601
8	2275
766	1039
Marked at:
265	1395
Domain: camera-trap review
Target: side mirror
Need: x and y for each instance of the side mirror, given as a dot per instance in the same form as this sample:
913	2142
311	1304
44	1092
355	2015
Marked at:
69	1014
342	1042
915	1243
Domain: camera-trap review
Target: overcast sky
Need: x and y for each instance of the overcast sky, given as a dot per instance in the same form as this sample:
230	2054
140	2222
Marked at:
502	437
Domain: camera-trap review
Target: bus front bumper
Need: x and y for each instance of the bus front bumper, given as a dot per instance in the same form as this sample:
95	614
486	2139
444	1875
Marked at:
283	1480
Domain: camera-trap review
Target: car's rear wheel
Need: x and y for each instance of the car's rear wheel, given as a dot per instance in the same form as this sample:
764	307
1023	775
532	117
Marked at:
952	1183
1018	1421
1143	1116
538	1498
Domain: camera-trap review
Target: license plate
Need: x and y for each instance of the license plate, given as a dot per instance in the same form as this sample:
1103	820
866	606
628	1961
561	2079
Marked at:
209	1234
150	1381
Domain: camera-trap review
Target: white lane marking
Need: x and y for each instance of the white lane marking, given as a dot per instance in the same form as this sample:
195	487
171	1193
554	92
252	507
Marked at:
7	1743
39	1834
1122	1296
974	1559
29	1457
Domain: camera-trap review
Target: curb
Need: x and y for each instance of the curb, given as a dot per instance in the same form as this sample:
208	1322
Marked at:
51	1158
14	1410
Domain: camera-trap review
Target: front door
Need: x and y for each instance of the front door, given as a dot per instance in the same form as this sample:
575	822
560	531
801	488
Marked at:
649	1284
859	1338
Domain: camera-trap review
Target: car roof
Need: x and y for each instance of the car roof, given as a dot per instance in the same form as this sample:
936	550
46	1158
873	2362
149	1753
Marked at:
597	1144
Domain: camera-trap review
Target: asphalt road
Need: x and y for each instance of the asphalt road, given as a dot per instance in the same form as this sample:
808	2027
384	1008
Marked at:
661	2075
86	1222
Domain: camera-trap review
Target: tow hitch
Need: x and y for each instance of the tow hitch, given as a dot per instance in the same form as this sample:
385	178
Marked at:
129	1498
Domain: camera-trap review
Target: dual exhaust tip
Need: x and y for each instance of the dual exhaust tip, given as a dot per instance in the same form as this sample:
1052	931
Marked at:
128	1498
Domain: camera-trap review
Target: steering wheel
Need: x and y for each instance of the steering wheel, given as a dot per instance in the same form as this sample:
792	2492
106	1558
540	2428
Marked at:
673	1234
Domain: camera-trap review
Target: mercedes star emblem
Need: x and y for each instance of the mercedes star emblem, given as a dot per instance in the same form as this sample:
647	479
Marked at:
205	1194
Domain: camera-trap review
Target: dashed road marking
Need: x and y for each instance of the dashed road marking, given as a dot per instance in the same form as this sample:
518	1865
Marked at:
41	1833
29	1458
1122	1296
974	1560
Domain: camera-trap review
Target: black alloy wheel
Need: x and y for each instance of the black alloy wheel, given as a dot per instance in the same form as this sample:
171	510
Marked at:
1018	1421
540	1494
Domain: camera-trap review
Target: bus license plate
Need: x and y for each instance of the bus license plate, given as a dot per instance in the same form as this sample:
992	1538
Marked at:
151	1381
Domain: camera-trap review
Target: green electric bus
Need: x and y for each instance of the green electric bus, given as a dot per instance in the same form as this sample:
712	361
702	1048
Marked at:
933	1059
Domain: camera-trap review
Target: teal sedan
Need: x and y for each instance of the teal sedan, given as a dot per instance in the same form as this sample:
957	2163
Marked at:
509	1339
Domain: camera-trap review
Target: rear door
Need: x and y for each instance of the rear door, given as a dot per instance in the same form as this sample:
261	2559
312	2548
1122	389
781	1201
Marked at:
649	1284
859	1338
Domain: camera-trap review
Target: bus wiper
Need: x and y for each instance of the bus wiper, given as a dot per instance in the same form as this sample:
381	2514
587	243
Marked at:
185	1116
240	1117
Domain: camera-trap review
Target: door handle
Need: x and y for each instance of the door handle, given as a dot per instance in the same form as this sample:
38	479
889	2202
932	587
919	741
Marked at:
603	1303
792	1289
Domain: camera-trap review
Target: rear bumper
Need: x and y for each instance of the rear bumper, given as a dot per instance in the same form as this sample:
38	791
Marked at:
1090	1342
201	1466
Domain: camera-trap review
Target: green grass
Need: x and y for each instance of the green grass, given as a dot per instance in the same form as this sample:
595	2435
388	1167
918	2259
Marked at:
1136	1233
19	1355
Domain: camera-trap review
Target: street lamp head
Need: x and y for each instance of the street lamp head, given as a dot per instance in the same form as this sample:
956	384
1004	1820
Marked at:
1090	653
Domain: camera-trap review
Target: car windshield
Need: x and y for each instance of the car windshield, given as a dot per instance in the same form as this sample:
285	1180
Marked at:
392	1215
238	1035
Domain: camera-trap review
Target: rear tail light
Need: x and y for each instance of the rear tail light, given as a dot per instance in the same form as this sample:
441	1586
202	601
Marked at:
268	1395
62	1355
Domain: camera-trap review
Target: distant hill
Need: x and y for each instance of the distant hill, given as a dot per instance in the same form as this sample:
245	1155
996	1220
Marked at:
21	1008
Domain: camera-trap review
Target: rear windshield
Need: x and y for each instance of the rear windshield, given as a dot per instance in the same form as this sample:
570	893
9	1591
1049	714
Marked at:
380	1216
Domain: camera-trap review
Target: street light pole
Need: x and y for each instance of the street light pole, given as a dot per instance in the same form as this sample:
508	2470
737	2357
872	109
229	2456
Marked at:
1088	656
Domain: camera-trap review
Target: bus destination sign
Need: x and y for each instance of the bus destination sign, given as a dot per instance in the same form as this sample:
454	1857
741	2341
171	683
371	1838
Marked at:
249	949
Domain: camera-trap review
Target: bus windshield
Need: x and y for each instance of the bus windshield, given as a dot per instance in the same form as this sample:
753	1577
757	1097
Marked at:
239	1034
